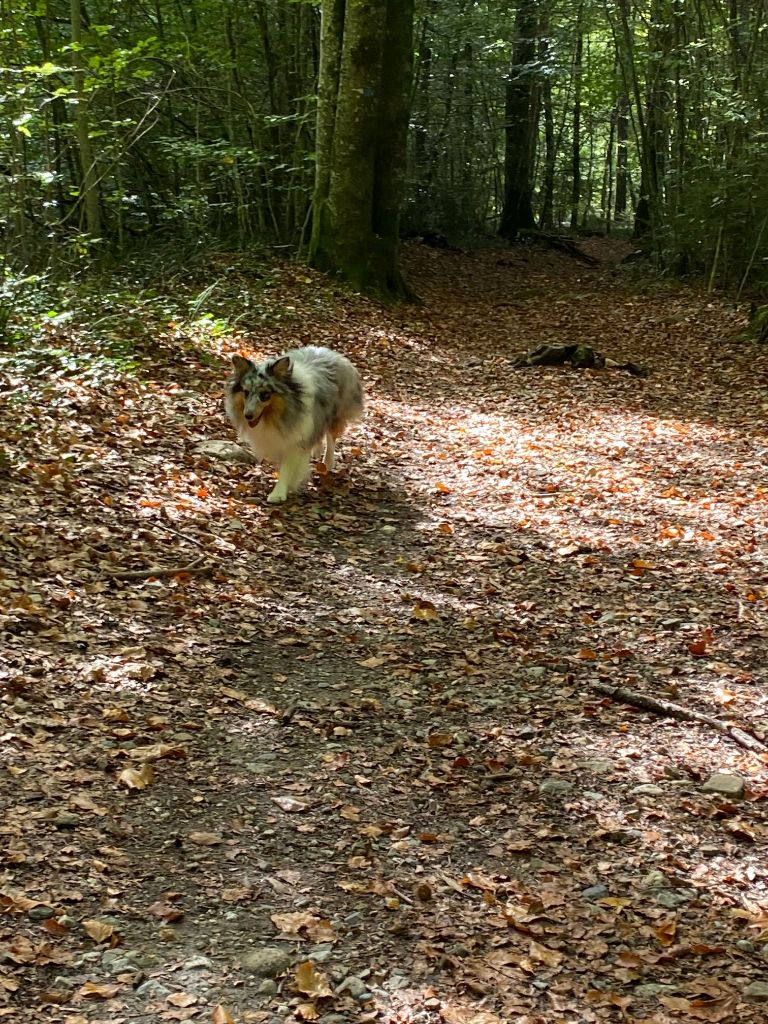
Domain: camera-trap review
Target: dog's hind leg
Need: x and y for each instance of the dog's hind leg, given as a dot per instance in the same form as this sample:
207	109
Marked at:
293	471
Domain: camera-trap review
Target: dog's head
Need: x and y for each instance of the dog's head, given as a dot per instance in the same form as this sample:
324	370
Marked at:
263	386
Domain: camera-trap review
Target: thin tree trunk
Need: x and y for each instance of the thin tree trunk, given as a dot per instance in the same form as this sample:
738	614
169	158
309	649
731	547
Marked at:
576	136
89	184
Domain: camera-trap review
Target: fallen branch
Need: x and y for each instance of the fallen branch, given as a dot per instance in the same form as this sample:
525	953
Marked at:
582	357
158	570
671	710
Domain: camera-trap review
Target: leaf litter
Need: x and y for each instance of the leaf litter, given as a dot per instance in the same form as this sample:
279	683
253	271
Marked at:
357	736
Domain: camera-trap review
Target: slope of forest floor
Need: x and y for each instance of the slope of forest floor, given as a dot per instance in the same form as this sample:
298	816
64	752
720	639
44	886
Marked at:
343	759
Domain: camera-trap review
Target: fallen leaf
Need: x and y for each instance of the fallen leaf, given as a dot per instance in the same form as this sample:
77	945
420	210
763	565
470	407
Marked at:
137	778
93	990
311	982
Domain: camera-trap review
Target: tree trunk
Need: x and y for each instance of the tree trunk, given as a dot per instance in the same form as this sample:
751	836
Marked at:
576	137
89	182
521	123
364	101
546	216
622	139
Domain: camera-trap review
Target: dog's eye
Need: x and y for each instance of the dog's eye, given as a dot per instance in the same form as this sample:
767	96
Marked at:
264	396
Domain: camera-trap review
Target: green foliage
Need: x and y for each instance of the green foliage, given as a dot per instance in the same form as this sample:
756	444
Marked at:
200	123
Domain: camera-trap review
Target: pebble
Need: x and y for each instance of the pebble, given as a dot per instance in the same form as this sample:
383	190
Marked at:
673	898
647	789
197	963
600	767
655	880
727	785
555	787
152	989
756	992
41	913
266	962
66	820
322	956
268	987
122	967
710	850
653	988
353	985
595	892
389	530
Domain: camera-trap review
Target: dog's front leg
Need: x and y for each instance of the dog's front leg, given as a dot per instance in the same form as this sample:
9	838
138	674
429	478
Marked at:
291	475
330	452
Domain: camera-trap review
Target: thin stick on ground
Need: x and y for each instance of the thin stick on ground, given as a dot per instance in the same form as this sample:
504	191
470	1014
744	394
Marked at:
158	570
670	709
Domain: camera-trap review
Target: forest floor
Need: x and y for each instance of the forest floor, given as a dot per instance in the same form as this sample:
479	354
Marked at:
343	759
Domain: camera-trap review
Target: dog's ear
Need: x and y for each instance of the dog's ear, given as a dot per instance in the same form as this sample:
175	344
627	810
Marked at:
241	365
281	368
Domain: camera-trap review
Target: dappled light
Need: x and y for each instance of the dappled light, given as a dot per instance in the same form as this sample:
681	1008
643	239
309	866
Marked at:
472	731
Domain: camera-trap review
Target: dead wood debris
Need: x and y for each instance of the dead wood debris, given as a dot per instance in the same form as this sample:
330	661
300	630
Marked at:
582	357
671	710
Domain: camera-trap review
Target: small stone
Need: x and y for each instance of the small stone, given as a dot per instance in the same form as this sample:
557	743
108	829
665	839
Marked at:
322	955
595	892
152	989
653	988
40	913
655	880
197	963
555	787
122	967
227	451
711	850
268	987
66	820
389	530
745	946
267	962
599	767
727	785
756	992
673	898
353	985
647	789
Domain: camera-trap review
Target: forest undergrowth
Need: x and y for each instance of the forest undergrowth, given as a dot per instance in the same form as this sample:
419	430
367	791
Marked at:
344	759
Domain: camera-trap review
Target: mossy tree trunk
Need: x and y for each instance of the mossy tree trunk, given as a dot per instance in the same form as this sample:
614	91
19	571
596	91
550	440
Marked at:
366	58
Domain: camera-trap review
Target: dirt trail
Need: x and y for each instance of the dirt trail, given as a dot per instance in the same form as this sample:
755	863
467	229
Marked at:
359	731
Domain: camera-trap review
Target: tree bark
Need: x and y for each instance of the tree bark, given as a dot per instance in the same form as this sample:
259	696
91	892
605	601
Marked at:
89	183
576	136
521	122
364	102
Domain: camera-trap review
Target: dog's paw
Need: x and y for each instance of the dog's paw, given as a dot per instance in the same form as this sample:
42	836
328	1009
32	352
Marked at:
276	496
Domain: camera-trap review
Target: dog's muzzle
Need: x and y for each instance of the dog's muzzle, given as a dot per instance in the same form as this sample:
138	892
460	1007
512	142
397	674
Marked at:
253	421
